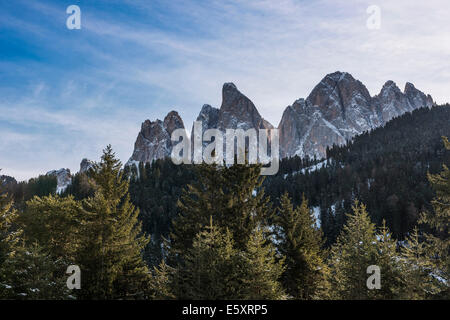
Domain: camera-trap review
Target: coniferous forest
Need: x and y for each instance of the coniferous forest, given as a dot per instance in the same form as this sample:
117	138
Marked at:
313	231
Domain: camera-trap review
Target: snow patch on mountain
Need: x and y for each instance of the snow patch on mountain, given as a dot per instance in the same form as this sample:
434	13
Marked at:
316	215
63	178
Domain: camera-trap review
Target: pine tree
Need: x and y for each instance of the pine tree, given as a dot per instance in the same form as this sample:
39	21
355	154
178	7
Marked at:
388	260
232	195
112	242
26	272
162	282
8	238
300	243
196	204
263	269
155	191
247	206
353	252
418	268
54	223
32	274
212	268
8	241
439	222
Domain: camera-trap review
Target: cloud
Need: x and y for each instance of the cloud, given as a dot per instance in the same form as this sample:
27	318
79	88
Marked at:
59	138
278	51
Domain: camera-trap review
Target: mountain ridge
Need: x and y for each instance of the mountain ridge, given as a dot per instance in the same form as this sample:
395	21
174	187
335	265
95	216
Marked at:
338	108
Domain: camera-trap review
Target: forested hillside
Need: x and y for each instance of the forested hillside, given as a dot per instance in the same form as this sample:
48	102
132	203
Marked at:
386	169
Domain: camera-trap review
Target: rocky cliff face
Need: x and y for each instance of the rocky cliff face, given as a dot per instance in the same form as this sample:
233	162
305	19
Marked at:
209	116
392	102
236	112
339	108
153	141
85	165
416	97
63	178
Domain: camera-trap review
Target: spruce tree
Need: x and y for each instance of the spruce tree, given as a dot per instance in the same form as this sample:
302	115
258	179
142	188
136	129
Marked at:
353	252
418	269
8	241
212	268
55	223
387	258
26	272
33	274
263	269
196	204
112	242
8	216
247	206
300	243
232	195
162	282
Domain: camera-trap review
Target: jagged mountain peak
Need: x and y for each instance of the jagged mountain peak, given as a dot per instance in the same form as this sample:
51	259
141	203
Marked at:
207	111
231	96
154	140
337	89
85	165
392	102
388	87
339	76
59	171
390	83
238	111
150	128
229	86
206	108
409	87
299	105
173	121
416	97
338	108
209	116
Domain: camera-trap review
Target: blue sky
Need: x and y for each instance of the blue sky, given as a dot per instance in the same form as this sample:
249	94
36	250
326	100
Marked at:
66	94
